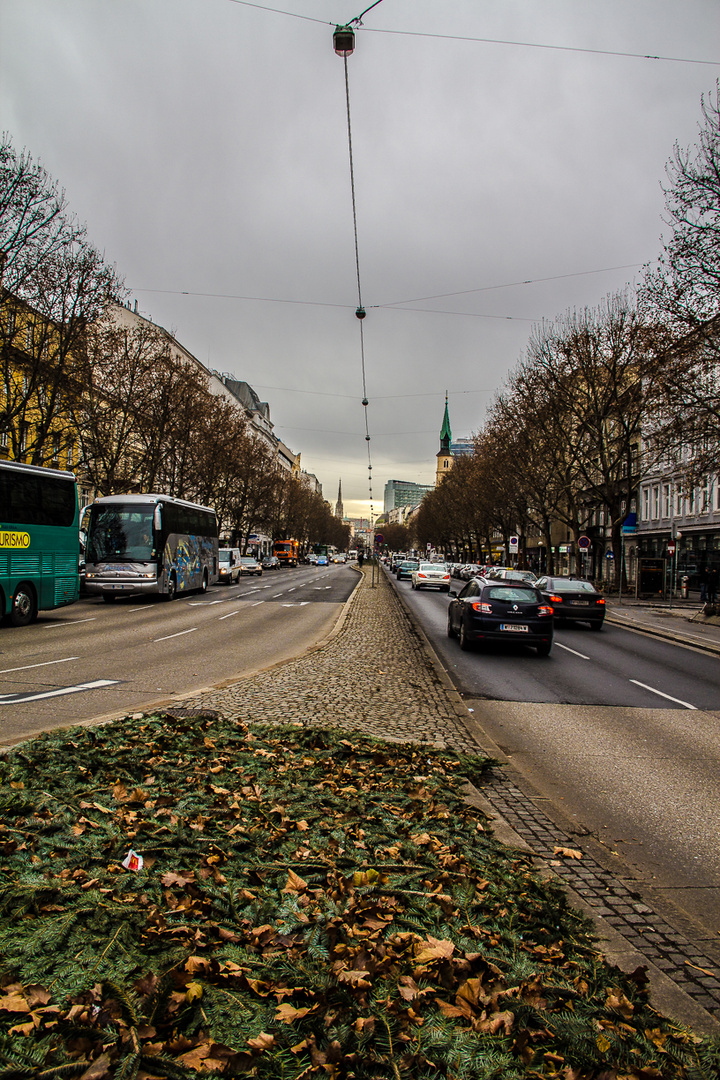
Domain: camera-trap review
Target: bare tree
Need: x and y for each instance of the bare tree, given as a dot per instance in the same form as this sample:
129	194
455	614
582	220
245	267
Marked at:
681	297
53	284
592	371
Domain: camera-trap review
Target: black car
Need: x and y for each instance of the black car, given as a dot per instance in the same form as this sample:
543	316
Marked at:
573	598
501	611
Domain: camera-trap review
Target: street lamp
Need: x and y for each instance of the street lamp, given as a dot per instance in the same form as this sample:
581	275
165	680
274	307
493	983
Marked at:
344	44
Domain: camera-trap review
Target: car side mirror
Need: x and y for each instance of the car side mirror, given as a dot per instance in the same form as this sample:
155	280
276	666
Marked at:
452	592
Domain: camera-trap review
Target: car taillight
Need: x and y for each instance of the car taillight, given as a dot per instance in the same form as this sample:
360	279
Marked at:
600	600
556	599
421	575
544	609
486	609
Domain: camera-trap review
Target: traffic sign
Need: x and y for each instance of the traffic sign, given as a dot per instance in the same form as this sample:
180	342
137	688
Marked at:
609	555
671	547
584	543
514	543
379	539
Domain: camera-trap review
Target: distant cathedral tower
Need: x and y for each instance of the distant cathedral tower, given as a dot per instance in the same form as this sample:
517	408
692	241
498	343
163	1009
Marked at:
339	512
444	456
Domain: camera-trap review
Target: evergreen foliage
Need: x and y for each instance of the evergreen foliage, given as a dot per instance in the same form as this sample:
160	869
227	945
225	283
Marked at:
310	905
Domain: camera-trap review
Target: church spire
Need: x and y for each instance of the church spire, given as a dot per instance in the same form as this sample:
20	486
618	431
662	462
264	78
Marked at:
444	456
445	432
339	512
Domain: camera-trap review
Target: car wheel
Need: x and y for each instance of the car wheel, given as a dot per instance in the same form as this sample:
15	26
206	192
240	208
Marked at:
597	625
465	643
24	606
450	628
544	649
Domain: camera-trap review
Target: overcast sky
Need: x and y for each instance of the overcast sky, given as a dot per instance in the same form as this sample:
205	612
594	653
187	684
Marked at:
508	166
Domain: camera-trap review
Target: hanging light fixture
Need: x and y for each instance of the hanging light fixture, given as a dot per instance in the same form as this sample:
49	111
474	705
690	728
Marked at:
344	40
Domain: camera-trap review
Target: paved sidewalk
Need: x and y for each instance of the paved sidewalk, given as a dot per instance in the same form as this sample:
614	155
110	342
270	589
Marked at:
377	674
682	621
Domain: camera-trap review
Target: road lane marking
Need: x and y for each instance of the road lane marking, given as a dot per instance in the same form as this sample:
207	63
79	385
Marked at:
45	663
678	701
258	603
205	603
70	622
229	615
179	634
568	649
14	699
297	603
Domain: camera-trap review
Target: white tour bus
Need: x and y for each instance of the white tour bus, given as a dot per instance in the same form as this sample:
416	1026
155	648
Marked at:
149	544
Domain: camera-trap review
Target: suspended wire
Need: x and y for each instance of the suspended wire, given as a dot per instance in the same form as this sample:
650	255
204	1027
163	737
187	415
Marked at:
482	40
397	305
360	312
352	190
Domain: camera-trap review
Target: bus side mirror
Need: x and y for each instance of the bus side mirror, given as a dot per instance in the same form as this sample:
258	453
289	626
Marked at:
157	518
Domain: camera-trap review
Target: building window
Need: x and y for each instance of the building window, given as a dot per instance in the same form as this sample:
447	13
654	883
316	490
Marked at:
666	500
646	504
656	501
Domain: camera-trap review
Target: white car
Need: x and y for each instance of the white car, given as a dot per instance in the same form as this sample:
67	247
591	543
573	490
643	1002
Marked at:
431	575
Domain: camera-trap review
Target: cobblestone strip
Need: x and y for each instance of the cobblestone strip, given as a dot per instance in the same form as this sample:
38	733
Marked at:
672	952
374	676
377	677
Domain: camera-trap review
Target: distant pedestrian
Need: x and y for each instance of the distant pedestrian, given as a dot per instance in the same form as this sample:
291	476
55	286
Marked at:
360	558
703	584
712	585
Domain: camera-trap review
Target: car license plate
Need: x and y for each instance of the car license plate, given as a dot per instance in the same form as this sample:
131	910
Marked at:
581	603
120	586
515	627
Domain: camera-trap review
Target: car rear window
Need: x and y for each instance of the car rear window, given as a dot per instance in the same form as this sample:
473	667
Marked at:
512	594
572	586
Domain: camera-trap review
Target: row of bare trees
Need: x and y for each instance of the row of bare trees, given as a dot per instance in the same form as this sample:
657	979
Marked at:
606	395
135	415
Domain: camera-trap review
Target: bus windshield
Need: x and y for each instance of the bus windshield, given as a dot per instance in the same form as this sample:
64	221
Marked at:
120	533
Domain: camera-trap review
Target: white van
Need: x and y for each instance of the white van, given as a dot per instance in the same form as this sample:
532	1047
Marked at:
228	566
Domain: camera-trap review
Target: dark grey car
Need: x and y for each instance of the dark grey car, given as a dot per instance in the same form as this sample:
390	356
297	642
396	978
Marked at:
485	611
573	598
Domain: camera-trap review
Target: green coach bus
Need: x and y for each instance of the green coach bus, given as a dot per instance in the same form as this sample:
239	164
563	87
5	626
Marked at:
39	541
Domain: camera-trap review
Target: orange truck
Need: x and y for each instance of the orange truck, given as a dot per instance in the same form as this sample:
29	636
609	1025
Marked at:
287	552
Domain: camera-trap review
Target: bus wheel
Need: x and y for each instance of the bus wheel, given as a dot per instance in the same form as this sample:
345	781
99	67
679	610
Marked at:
172	589
24	606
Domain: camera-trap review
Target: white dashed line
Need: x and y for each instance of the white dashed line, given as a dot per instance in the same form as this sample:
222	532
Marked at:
180	634
568	649
45	663
678	701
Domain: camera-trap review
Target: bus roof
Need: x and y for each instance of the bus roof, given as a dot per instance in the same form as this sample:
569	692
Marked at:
39	470
143	500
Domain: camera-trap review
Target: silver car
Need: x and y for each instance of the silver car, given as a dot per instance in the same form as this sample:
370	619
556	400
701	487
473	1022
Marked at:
431	575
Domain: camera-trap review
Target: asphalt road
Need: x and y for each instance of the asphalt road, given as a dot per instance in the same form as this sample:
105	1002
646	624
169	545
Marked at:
619	731
95	659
